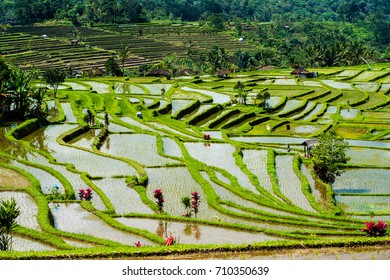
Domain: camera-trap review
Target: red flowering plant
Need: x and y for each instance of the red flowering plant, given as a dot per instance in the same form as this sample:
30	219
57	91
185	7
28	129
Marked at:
170	241
158	195
195	202
85	194
378	229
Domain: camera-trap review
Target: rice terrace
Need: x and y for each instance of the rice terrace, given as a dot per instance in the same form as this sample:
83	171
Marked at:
145	166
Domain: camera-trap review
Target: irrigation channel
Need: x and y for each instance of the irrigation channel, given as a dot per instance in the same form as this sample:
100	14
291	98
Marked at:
253	190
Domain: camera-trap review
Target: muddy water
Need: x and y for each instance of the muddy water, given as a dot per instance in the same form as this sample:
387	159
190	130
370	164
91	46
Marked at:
156	88
349	113
12	178
7	146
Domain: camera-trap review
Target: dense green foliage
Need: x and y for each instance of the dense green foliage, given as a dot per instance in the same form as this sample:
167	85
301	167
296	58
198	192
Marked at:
323	33
54	77
136	10
9	211
19	99
329	156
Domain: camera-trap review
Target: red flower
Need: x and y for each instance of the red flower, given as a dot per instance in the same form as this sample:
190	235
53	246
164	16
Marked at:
378	229
170	241
158	195
195	202
85	194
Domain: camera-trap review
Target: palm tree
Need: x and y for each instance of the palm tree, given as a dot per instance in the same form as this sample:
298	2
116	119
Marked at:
186	201
20	90
264	96
123	53
239	87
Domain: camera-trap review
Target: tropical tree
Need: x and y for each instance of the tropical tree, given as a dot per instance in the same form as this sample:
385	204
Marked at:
19	87
9	212
5	72
54	77
214	59
329	156
264	96
123	53
186	201
239	87
112	67
38	96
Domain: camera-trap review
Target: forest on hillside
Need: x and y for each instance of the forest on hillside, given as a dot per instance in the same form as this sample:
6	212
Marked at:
311	33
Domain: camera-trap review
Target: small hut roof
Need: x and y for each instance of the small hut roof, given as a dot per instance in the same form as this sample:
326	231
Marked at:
310	142
159	72
300	70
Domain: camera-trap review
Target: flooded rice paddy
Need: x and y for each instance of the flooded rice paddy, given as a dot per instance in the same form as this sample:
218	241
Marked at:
232	172
191	233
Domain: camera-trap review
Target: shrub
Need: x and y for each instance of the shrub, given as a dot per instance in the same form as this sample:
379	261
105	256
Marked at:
85	194
158	195
170	241
8	214
195	202
378	229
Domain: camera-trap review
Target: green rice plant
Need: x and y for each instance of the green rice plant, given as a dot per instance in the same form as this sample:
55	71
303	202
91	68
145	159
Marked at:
218	98
24	129
180	113
368	76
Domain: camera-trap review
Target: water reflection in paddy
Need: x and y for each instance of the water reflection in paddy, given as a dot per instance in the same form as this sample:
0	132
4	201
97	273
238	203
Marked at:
211	155
171	148
123	198
138	147
368	156
73	218
89	162
191	233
